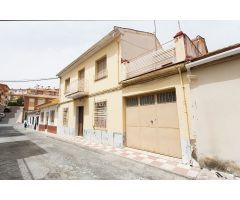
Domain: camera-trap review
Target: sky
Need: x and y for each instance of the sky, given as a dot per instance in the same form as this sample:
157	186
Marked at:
40	49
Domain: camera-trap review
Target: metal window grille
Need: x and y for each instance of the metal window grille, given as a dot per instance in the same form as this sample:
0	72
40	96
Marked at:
65	117
132	101
166	97
147	100
100	114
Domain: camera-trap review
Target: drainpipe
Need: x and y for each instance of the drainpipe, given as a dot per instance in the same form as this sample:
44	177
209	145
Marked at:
186	111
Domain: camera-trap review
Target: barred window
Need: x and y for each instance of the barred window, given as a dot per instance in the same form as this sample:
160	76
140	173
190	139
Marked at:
166	97
147	100
100	114
132	101
42	116
65	117
52	116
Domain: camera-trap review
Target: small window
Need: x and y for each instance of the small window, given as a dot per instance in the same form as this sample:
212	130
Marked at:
101	68
52	116
166	97
132	101
42	117
67	85
81	74
100	114
147	100
47	116
65	117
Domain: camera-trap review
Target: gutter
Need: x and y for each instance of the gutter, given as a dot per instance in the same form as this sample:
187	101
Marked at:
213	58
99	45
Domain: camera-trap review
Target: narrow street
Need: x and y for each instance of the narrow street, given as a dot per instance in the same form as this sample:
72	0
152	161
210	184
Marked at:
35	156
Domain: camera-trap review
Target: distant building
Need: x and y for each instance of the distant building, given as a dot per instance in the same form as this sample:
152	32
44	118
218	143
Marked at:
37	96
16	93
48	116
4	96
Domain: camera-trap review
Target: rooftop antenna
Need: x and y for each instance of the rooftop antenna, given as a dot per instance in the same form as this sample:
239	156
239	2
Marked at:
155	33
179	25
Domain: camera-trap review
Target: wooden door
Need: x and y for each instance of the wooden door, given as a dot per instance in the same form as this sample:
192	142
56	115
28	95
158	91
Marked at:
80	121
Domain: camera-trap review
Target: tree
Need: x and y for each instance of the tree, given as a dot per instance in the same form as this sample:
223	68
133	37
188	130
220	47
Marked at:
20	101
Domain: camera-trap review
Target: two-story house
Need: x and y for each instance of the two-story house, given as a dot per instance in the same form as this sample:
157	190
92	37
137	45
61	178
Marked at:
129	90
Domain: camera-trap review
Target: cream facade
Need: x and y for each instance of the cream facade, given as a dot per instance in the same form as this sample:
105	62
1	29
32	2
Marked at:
215	82
136	65
115	47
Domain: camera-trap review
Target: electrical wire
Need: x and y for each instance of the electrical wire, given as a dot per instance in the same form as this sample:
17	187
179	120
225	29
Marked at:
28	80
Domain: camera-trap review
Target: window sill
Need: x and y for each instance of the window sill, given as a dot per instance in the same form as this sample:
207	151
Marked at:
98	79
100	129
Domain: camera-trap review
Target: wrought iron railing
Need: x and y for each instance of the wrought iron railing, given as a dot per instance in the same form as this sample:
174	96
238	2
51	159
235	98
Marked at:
77	86
149	61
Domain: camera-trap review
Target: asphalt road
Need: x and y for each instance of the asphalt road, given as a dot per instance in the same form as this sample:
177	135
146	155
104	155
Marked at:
32	155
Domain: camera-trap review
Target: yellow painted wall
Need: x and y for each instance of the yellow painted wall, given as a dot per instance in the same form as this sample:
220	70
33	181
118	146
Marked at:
113	60
162	84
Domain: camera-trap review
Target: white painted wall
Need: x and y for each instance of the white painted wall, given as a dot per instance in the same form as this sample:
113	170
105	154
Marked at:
215	100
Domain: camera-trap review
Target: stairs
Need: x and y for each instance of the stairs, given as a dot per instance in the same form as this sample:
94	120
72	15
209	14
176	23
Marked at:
13	117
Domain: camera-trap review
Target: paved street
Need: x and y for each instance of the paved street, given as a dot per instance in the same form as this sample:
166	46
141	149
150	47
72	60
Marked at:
33	155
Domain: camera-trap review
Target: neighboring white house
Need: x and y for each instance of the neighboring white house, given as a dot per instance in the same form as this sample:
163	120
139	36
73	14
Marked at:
48	116
215	98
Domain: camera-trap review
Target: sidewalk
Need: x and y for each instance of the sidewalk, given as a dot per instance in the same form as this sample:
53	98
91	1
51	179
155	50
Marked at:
165	163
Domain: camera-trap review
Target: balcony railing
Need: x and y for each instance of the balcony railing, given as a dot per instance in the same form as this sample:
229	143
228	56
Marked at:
77	89
148	62
101	74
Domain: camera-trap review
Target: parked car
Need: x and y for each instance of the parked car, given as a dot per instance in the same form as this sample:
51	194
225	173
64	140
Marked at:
2	115
7	109
0	118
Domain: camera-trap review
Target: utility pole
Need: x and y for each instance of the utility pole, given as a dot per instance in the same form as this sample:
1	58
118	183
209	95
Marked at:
155	33
179	25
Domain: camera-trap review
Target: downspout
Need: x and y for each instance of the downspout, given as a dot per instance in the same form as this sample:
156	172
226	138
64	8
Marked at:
118	58
185	107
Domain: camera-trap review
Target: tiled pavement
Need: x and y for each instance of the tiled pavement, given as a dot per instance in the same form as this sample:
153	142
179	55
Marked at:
163	162
169	164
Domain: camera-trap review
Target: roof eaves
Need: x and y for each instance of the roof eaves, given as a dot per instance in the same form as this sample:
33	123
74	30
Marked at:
100	44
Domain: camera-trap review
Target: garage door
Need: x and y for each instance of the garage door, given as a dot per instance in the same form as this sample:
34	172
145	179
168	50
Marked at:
152	123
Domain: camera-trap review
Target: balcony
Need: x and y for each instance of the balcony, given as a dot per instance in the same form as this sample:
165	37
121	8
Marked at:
77	89
101	74
150	61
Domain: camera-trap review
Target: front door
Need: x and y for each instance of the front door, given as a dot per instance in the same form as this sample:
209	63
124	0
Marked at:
80	121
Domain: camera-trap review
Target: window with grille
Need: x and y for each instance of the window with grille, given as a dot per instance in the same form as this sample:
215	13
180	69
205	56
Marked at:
65	117
101	68
42	117
52	116
100	114
132	101
166	97
147	100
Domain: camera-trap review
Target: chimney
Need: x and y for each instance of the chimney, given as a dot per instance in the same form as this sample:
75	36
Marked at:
200	43
180	46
